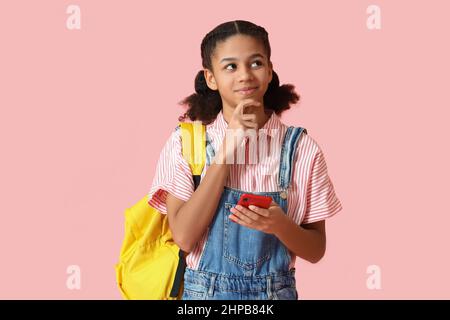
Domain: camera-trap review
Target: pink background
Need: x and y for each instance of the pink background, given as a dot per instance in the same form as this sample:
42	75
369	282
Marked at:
85	113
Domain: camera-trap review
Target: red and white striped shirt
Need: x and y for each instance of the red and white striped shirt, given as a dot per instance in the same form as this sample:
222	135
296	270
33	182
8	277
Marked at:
311	195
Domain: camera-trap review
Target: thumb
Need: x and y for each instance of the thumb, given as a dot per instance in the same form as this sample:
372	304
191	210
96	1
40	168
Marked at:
239	110
273	203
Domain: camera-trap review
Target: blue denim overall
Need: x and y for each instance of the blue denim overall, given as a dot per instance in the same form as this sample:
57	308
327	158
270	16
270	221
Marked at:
240	263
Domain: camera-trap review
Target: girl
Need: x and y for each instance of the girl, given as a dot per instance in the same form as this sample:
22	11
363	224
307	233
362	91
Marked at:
235	252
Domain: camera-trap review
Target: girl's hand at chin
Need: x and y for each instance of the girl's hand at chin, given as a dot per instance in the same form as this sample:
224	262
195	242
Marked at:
241	120
238	124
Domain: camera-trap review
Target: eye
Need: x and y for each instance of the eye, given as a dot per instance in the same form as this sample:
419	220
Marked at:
259	62
233	64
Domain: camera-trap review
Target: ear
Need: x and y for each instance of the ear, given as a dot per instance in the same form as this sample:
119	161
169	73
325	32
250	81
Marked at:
210	80
270	70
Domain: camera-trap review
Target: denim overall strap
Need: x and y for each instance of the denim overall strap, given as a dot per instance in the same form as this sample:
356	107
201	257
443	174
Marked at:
288	149
209	150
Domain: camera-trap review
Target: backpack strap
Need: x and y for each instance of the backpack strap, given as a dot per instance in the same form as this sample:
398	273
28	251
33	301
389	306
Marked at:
179	275
193	138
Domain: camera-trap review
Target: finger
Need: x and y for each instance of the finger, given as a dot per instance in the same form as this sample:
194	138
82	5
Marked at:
242	105
247	215
250	124
242	217
237	215
249	108
260	211
235	218
249	117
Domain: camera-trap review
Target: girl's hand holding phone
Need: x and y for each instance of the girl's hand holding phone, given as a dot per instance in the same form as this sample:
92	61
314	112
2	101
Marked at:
270	220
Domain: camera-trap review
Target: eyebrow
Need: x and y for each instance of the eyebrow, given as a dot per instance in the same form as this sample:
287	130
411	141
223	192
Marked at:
252	56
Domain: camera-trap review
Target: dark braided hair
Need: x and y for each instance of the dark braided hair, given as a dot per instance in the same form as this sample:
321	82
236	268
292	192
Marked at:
205	104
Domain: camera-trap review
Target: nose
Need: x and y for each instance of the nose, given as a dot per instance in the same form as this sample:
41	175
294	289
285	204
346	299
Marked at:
245	74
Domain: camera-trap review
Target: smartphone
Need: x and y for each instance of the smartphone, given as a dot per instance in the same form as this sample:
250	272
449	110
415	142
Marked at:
248	199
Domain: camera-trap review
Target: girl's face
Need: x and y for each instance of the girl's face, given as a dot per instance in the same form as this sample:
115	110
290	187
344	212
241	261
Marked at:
239	62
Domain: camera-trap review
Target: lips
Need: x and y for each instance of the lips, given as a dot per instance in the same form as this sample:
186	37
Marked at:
246	88
247	91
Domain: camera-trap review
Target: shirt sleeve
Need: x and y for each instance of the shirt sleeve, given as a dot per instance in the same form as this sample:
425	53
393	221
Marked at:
322	201
173	175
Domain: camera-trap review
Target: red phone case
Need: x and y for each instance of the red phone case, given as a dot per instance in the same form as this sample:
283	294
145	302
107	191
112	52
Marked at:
256	200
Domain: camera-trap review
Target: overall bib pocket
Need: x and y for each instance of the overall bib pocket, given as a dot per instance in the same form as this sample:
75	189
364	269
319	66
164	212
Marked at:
244	246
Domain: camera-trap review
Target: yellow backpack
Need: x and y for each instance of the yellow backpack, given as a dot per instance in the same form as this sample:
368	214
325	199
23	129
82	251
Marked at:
151	265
